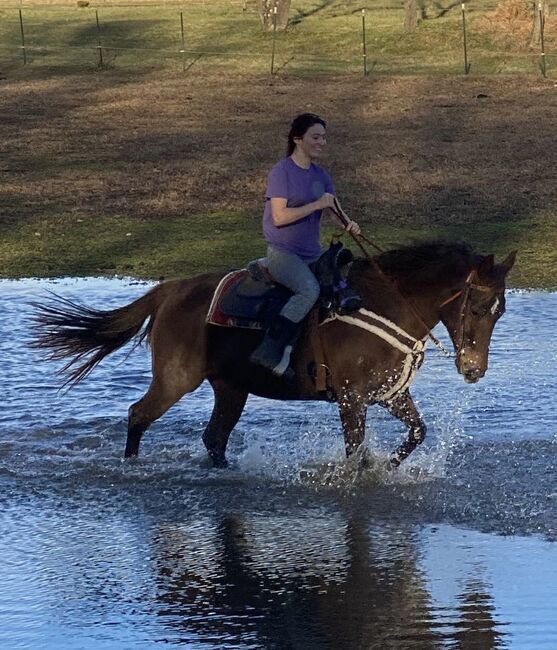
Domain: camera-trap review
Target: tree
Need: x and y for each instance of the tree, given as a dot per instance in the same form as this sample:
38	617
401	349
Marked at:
538	17
266	11
410	15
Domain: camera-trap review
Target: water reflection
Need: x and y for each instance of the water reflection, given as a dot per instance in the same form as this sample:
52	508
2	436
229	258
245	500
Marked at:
279	551
311	582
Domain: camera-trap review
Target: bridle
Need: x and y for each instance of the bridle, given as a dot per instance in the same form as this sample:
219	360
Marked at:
465	291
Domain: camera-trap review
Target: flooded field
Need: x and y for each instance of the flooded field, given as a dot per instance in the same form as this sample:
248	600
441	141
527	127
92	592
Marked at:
292	547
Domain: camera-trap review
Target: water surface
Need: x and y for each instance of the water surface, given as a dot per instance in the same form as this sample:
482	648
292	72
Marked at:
291	547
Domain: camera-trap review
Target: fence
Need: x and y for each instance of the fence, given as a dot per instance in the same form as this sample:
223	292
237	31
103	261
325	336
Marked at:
229	36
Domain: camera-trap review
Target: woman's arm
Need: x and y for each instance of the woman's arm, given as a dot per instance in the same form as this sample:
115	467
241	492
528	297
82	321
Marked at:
349	226
283	215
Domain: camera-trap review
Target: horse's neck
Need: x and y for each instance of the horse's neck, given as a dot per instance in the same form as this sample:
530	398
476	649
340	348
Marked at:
414	306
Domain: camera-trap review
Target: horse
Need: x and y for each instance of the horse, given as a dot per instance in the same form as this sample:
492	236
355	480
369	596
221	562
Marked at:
370	356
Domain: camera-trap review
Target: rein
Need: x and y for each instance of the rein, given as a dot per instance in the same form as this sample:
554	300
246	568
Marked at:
345	220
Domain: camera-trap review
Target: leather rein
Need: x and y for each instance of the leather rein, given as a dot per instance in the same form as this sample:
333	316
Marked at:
465	291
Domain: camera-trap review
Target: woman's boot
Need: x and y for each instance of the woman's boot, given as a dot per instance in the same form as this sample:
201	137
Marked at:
274	351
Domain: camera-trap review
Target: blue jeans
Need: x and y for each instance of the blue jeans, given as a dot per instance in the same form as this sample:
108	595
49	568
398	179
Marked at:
293	272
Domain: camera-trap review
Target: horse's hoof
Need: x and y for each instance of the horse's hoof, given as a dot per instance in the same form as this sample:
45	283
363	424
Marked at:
218	460
364	458
394	461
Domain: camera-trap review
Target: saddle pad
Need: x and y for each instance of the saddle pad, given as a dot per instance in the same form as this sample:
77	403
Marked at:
238	299
215	315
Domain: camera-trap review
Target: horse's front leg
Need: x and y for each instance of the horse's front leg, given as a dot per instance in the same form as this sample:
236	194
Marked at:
404	409
353	411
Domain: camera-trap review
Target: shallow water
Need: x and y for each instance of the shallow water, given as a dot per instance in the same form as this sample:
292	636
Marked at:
292	547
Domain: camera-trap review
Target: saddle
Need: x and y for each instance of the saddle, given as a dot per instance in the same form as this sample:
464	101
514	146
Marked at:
250	298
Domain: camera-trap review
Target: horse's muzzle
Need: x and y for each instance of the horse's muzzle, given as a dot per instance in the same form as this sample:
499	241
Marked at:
471	369
473	375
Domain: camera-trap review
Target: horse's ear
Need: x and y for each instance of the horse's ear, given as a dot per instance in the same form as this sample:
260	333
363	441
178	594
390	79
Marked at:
509	261
486	265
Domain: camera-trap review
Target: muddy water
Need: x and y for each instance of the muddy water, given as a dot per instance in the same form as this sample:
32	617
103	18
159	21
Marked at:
291	547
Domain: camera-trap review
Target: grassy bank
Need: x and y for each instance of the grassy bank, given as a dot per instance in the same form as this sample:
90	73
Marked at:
227	36
69	245
140	169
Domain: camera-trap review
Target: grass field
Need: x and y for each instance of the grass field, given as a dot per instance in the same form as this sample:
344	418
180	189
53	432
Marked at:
323	36
142	170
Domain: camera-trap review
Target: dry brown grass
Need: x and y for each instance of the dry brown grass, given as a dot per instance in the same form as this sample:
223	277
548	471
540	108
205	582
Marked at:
407	150
512	22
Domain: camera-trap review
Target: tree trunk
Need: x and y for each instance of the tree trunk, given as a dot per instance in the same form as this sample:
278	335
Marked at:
266	11
410	15
537	29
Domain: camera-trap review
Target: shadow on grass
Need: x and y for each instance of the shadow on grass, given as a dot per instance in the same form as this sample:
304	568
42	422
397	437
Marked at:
463	158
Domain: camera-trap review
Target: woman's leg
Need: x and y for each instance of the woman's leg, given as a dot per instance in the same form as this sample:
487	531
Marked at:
288	269
291	271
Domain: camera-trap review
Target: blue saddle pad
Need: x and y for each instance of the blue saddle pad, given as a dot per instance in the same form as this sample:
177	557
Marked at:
254	299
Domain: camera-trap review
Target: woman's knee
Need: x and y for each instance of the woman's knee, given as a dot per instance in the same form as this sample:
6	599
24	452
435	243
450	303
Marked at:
311	289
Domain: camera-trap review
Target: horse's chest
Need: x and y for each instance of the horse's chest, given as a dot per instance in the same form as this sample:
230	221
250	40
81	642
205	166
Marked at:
372	356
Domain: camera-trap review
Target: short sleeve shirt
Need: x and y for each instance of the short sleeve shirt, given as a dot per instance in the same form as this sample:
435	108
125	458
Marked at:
299	187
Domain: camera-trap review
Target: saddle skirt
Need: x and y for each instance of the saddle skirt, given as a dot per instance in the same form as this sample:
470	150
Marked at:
245	298
250	298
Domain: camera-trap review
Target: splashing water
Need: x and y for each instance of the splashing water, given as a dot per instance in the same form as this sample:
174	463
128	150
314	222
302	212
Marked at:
101	553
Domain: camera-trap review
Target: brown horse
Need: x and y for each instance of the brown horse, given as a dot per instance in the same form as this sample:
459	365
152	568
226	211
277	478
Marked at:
371	356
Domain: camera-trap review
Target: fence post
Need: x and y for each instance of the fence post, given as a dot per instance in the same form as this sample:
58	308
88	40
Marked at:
22	38
464	40
542	53
364	48
274	40
183	50
99	42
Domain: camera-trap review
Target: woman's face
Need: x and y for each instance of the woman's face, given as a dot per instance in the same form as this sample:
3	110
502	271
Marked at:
313	141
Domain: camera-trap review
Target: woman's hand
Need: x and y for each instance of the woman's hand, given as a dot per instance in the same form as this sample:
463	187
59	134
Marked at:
327	200
352	227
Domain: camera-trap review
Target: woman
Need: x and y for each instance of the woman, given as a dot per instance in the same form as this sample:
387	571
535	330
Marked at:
297	193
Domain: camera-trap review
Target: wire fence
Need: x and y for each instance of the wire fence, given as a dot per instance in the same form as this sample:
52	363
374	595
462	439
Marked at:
230	36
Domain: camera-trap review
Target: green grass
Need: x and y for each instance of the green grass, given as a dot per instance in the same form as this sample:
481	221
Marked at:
69	245
322	37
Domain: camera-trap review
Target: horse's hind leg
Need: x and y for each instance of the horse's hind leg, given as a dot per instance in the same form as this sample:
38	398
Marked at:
163	392
229	404
404	409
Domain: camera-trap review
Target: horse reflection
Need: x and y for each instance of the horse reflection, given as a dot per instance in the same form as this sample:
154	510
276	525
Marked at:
285	584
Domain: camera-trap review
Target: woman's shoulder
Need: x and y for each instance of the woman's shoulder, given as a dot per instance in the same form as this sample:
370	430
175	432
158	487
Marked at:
320	170
281	164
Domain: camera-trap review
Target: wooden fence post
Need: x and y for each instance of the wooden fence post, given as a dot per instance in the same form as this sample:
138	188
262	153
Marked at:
364	48
464	40
542	45
99	42
274	40
22	38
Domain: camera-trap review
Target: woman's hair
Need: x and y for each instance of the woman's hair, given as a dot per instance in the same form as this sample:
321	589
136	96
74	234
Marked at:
299	126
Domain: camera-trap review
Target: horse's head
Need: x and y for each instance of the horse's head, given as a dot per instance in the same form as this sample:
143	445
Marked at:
471	317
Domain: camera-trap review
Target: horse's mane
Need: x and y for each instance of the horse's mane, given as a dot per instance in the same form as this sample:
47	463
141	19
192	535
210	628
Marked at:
420	261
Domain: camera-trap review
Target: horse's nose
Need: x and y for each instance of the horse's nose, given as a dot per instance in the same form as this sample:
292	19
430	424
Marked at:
471	367
472	375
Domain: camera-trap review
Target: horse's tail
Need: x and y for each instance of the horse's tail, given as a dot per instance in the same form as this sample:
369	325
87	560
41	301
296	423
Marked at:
86	336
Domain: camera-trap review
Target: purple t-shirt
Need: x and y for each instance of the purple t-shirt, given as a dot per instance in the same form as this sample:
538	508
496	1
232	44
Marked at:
299	187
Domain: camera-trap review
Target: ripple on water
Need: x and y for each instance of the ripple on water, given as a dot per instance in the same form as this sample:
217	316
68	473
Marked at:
292	542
